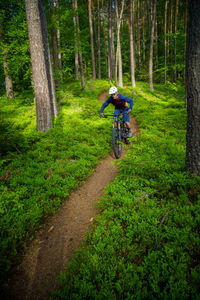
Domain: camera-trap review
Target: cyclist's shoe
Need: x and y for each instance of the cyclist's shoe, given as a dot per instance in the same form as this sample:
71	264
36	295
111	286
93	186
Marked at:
129	133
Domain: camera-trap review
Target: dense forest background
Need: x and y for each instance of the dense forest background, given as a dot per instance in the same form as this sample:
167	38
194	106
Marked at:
113	23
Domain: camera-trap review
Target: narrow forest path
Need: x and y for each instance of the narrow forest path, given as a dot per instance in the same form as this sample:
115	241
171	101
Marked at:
54	244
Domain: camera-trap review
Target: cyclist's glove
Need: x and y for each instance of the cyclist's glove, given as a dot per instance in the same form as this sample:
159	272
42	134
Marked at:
129	111
101	115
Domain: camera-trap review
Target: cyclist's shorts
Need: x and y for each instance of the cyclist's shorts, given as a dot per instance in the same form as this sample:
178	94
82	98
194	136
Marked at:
126	118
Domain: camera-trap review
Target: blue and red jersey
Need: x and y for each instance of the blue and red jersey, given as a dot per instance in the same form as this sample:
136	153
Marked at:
119	103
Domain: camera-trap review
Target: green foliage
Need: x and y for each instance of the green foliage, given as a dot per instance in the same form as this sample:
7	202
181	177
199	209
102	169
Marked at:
14	34
39	170
144	244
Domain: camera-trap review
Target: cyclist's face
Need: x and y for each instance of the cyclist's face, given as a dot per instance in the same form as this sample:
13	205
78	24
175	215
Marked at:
114	96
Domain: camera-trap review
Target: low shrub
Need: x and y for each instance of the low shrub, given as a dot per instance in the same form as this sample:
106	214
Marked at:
144	244
39	170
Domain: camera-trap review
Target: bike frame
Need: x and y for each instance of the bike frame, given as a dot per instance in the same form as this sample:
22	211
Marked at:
118	133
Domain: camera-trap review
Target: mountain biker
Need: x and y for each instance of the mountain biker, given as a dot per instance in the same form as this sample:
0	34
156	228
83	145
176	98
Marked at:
121	106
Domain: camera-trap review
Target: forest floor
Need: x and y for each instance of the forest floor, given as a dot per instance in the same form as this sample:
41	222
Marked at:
53	247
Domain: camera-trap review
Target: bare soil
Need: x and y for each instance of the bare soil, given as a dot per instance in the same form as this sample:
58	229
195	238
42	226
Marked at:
54	245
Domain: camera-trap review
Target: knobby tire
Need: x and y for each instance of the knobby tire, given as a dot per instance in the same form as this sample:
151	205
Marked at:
116	141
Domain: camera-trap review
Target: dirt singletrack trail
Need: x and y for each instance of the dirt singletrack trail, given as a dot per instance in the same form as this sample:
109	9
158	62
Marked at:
54	244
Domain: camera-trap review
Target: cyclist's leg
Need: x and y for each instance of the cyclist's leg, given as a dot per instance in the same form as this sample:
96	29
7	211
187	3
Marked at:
126	119
117	112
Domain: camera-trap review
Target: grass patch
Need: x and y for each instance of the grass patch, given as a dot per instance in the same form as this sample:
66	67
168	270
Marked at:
38	171
144	244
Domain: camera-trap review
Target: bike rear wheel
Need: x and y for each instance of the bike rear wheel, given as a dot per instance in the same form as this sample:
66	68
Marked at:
116	141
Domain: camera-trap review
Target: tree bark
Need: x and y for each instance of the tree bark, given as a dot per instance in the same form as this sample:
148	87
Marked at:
104	39
193	89
110	41
77	29
54	44
138	33
75	43
80	51
91	41
43	87
175	30
143	30
58	38
151	45
98	41
132	48
47	56
94	22
165	43
148	18
156	43
118	52
185	32
8	79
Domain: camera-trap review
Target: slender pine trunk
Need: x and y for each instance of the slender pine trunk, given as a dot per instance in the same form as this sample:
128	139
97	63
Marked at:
151	45
8	79
131	39
54	44
91	41
175	31
138	34
98	41
165	43
118	52
110	41
104	39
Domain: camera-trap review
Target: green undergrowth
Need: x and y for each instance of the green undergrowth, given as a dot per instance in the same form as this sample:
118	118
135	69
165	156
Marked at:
38	171
144	244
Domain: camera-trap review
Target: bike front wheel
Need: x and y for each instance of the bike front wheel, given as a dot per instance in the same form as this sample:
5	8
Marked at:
116	142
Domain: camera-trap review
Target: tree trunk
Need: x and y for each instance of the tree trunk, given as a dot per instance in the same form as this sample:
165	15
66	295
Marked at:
54	44
118	52
47	56
138	33
143	30
165	43
80	51
175	30
58	39
40	67
156	42
131	39
75	43
193	89
94	22
168	27
77	29
98	41
8	79
110	41
104	39
185	32
91	41
151	45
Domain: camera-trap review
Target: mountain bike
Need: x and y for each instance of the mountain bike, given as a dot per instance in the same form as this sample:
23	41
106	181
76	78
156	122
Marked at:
119	133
